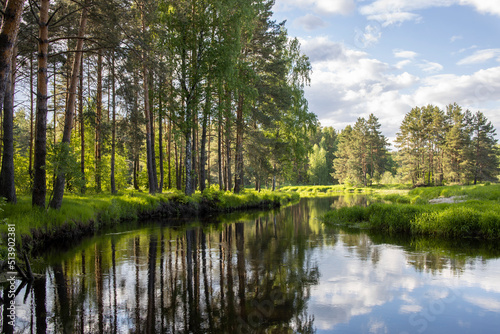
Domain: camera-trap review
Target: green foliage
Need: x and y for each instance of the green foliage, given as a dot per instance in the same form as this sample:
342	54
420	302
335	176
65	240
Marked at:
318	168
477	217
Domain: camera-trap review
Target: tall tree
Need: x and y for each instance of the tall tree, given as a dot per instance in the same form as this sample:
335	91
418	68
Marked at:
152	179
39	179
8	36
456	146
7	185
58	194
484	149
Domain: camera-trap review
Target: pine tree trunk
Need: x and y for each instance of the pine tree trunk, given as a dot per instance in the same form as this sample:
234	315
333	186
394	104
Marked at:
238	179
169	154
40	176
228	150
188	161
57	198
82	129
136	171
219	146
8	37
7	185
153	136
98	121
147	111
203	153
113	126
160	137
32	117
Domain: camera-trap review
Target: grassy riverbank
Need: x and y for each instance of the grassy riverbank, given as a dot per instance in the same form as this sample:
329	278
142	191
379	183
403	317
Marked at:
85	215
339	189
465	211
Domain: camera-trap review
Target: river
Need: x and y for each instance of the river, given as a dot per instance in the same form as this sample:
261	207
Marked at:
263	272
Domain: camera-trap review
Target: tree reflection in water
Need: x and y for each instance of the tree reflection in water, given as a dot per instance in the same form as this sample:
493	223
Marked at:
256	274
244	277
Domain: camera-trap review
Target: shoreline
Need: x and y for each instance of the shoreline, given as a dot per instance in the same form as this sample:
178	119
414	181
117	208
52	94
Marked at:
69	226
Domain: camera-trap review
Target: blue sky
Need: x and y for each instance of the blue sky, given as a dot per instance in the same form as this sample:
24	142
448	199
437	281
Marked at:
387	56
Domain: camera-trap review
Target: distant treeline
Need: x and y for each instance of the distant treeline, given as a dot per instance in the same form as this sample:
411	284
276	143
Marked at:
434	147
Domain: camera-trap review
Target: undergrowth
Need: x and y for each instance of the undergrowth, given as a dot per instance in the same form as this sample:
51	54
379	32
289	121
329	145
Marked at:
478	216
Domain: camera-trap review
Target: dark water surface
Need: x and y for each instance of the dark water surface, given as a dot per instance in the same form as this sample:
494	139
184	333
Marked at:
274	272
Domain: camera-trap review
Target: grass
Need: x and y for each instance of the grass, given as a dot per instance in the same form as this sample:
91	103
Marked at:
90	213
340	189
478	216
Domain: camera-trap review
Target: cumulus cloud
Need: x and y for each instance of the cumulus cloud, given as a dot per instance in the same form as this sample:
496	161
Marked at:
480	56
467	90
310	22
483	6
390	12
347	83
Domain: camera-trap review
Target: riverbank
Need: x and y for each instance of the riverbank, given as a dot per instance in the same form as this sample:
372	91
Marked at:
473	212
86	215
340	189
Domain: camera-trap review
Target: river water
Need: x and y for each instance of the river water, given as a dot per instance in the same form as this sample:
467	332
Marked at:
264	272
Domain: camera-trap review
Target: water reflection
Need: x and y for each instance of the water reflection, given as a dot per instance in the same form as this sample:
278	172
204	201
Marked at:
278	272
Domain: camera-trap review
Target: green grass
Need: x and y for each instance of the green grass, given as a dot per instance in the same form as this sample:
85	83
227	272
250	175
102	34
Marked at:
340	189
323	191
104	210
478	216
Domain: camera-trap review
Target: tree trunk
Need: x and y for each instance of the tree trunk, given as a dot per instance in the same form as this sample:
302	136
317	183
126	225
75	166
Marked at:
82	129
56	201
219	146
113	126
8	36
7	185
98	121
228	146
32	117
169	154
149	140
188	161
136	171
238	173
203	153
40	176
160	135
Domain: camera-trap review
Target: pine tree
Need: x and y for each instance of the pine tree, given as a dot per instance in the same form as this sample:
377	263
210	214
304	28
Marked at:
484	149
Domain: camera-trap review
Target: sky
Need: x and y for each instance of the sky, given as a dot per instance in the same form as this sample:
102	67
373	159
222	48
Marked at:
388	56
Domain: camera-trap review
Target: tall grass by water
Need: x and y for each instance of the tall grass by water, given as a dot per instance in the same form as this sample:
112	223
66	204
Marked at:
476	215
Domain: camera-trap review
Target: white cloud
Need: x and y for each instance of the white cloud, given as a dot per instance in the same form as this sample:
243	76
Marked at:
455	38
467	90
310	22
390	12
324	7
430	67
397	11
484	6
404	54
480	56
402	64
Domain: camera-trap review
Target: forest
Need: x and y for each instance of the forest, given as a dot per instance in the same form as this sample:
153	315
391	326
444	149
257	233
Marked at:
101	96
